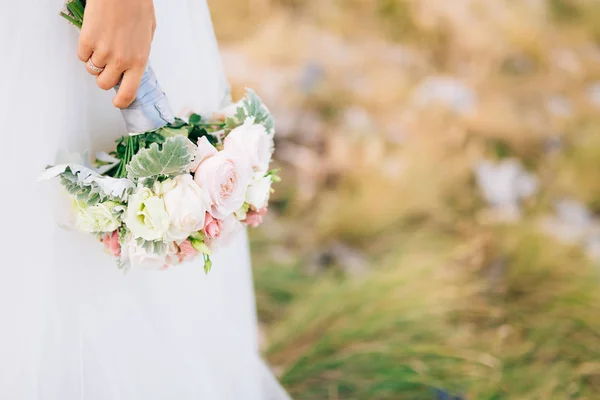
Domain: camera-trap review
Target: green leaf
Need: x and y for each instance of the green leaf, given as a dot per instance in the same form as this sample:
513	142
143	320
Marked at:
74	12
195	119
170	132
71	20
207	264
173	159
198	132
178	123
200	246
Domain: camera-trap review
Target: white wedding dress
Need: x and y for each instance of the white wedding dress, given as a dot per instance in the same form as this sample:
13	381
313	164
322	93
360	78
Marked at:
72	326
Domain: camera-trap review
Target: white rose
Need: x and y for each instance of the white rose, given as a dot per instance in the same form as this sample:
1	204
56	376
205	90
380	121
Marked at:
254	140
146	216
138	257
99	218
224	176
186	204
259	191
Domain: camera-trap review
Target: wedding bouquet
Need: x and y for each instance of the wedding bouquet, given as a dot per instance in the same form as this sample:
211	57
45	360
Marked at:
179	189
166	196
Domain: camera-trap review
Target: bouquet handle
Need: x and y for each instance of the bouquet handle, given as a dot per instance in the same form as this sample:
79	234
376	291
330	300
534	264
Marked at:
151	109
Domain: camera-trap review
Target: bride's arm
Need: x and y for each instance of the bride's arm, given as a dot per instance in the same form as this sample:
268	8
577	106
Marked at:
117	35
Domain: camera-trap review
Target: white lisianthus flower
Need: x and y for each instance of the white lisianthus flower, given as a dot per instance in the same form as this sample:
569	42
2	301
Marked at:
254	140
224	176
259	191
186	204
99	218
138	257
146	216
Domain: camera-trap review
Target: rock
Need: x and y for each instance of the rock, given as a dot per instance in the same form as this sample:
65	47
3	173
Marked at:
358	119
592	247
504	185
263	343
559	106
519	65
445	395
338	255
566	60
495	274
571	223
348	259
307	165
593	92
448	91
312	75
553	144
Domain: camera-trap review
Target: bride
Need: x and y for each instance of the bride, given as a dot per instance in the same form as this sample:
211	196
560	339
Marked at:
72	325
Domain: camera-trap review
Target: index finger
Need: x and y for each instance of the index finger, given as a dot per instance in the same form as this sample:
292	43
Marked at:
128	87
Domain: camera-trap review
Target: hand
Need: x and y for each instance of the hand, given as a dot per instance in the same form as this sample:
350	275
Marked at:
117	35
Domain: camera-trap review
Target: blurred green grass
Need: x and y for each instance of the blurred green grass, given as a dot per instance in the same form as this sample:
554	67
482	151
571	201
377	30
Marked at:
424	318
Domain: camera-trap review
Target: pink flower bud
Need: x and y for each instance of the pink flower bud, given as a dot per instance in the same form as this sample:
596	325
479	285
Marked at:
255	218
186	251
111	243
212	227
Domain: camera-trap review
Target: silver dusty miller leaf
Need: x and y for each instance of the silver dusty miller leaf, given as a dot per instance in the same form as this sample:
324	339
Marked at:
172	159
89	186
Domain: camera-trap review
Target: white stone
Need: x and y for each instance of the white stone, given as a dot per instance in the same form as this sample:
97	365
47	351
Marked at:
504	184
446	90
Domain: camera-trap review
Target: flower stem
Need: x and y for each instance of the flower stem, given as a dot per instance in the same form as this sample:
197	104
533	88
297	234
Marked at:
71	19
208	124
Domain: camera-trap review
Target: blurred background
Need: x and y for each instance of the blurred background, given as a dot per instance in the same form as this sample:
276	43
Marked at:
437	230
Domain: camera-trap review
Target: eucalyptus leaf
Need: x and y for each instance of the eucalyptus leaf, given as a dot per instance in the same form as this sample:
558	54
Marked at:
172	159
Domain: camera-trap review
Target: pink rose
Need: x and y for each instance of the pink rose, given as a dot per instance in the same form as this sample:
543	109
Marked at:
224	176
255	218
186	251
203	151
212	227
111	243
